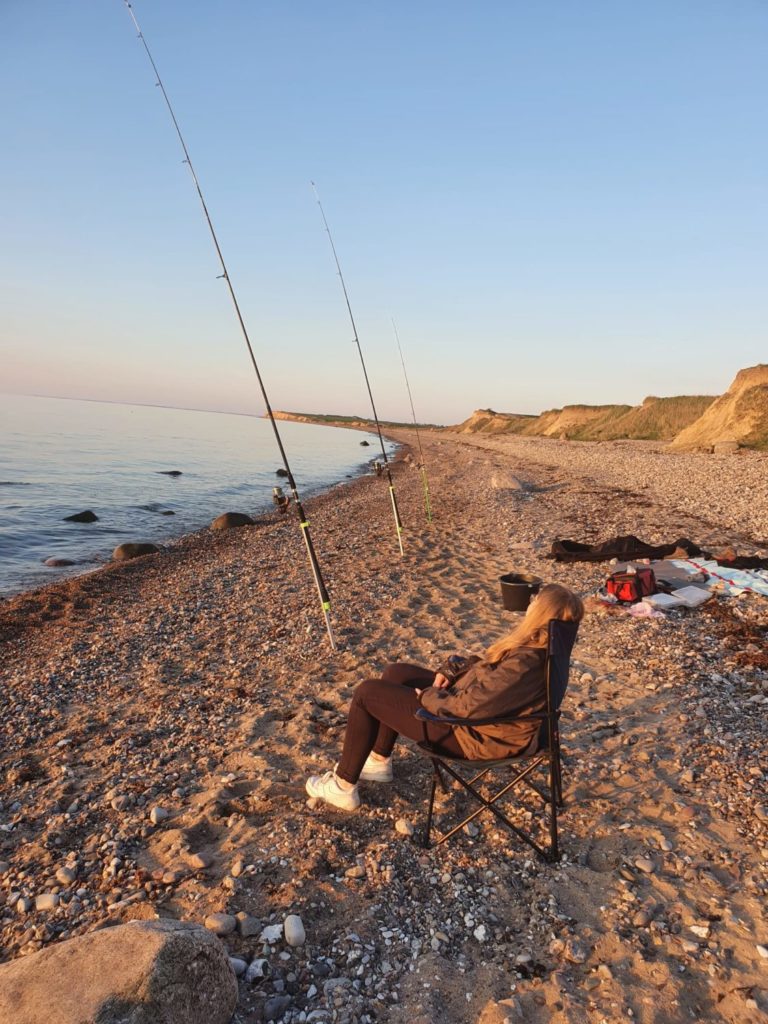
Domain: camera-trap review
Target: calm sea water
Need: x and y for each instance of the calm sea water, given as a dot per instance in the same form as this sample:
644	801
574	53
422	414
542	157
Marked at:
59	457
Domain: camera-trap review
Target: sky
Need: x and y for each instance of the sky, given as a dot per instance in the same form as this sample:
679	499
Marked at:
557	202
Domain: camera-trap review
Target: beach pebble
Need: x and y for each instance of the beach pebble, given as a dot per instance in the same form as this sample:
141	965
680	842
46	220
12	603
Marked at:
23	905
481	933
199	861
158	814
66	874
247	925
645	864
763	951
358	871
275	1007
294	930
472	830
575	952
404	827
701	930
220	924
237	868
238	966
257	969
46	901
271	933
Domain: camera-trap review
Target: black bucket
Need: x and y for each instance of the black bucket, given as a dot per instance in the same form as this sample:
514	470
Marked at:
517	589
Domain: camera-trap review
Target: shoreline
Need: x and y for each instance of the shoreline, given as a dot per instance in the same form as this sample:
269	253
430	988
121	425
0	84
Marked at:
200	681
64	574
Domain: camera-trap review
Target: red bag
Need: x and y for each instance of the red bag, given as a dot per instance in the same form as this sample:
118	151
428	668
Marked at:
630	587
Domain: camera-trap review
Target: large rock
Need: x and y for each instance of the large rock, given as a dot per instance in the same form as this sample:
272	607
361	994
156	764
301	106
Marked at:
124	552
228	520
145	972
82	517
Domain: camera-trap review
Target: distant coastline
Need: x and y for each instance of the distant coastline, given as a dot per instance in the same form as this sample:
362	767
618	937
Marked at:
736	419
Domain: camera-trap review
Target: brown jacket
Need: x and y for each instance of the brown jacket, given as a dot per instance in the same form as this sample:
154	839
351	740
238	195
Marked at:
514	686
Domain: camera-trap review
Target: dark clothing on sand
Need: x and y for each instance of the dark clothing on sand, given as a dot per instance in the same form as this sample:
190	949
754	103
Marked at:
382	709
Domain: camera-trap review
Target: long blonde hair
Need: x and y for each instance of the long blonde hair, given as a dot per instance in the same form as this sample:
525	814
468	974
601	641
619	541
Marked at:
552	602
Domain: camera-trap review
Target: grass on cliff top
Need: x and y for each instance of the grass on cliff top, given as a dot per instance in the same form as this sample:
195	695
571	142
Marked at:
323	417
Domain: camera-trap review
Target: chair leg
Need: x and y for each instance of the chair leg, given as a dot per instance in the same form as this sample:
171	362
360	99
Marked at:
490	805
428	828
559	780
554	801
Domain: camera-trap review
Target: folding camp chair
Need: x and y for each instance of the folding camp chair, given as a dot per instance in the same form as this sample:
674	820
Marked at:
545	752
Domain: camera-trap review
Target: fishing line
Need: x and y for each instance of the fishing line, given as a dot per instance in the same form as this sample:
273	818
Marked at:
422	463
303	521
395	511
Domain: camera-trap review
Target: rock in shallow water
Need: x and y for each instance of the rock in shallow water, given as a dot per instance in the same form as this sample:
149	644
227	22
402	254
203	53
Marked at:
124	552
230	520
82	517
130	974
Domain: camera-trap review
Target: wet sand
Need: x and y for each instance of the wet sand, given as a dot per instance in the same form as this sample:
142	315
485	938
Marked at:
199	682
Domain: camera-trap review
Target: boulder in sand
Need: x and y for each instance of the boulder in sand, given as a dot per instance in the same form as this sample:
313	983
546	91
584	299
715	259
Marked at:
82	517
281	472
169	472
725	447
229	520
58	563
124	552
138	973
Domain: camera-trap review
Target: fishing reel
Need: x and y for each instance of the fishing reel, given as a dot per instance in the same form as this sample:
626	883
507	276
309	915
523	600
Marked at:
378	468
281	501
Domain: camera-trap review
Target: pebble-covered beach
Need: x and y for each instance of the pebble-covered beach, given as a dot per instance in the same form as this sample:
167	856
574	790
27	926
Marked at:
158	720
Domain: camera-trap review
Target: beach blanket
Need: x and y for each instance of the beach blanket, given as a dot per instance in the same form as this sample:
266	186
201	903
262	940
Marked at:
730	581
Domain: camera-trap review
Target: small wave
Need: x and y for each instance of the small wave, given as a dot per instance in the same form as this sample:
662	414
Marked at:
15	483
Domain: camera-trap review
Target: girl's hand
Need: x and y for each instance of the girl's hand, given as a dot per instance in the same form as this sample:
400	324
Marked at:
441	682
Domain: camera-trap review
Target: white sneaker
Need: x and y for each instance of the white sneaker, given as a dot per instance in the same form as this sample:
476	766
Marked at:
377	771
326	787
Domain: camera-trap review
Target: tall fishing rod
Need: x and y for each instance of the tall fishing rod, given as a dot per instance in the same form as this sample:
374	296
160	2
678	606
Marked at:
422	463
325	601
395	510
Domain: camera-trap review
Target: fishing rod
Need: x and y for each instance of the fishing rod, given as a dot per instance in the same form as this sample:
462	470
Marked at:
395	510
325	601
422	464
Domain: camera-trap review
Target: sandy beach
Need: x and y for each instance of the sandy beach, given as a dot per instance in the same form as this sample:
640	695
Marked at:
159	718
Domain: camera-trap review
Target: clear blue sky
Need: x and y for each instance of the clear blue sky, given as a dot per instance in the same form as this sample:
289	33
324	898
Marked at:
558	202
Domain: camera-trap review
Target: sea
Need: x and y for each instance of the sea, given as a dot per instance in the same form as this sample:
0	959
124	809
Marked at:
60	457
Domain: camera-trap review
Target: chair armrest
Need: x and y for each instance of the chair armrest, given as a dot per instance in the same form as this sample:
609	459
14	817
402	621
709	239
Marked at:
427	716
